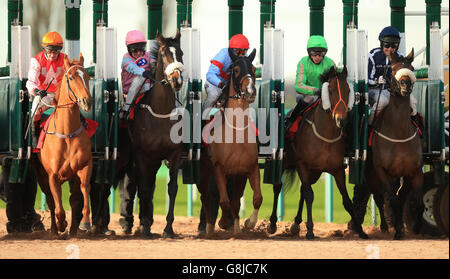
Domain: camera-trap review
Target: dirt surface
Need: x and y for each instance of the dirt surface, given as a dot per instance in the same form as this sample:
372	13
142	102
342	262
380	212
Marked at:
332	242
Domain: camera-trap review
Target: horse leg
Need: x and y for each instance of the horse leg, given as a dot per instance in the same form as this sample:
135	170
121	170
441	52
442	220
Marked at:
45	187
307	177
75	204
379	201
255	183
415	184
172	189
339	176
222	187
237	193
146	189
85	186
55	187
273	218
391	200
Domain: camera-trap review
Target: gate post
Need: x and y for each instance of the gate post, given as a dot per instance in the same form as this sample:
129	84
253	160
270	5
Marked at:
398	20
235	17
73	28
316	17
154	18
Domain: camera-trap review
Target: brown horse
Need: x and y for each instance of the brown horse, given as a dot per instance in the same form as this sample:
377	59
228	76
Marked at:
396	147
150	132
319	147
234	150
66	152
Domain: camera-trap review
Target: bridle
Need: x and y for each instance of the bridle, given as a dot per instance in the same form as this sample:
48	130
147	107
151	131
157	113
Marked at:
238	81
71	93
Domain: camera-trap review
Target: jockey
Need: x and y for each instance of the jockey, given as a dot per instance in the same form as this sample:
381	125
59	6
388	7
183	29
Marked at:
46	66
137	62
380	71
309	69
218	73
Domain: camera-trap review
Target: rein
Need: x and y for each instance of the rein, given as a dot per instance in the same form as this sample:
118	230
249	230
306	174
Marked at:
340	99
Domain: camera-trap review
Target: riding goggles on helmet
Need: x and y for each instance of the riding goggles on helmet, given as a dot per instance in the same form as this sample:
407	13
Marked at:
240	51
388	45
51	48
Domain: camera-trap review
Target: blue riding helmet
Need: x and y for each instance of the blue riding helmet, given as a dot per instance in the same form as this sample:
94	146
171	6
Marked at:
389	34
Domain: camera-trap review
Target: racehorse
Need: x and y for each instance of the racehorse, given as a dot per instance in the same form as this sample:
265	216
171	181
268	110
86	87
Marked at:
150	131
234	155
66	152
319	147
396	147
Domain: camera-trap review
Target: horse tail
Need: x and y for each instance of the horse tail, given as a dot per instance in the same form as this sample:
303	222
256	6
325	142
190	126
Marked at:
290	178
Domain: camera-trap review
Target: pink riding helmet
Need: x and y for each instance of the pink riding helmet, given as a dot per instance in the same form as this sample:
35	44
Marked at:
135	36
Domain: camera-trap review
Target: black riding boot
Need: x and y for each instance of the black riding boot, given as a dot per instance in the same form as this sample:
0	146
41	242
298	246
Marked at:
35	132
293	114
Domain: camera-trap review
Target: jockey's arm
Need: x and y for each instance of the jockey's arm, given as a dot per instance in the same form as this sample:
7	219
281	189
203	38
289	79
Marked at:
300	85
213	75
33	77
130	66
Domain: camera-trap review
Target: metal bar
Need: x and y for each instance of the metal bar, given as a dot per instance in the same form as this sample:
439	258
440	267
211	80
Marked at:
328	198
189	201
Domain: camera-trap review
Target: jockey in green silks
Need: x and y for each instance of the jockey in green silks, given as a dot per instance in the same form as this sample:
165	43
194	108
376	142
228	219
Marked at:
309	69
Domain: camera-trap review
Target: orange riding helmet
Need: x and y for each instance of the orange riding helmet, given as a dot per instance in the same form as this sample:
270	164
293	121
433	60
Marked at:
52	40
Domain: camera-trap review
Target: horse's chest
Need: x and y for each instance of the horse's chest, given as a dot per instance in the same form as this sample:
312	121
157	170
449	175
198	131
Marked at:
235	158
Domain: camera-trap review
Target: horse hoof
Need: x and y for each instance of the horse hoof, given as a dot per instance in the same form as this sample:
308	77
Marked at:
209	229
295	229
237	230
310	235
168	235
62	226
85	226
398	235
363	235
272	228
249	224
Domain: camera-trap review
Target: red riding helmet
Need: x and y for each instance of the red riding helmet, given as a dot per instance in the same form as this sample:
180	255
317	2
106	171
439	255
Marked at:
239	41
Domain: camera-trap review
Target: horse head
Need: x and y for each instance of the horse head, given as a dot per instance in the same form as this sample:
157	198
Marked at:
337	94
170	56
403	78
243	76
77	82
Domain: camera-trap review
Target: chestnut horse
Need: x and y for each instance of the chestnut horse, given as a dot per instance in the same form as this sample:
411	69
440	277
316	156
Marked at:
319	147
234	150
66	152
150	132
396	148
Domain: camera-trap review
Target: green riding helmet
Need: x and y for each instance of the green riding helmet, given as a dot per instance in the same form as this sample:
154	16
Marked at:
317	43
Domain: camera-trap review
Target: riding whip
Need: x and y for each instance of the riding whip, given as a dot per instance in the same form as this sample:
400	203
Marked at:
34	112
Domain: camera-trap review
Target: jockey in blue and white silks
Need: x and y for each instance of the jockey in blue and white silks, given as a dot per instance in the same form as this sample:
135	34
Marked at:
218	73
379	63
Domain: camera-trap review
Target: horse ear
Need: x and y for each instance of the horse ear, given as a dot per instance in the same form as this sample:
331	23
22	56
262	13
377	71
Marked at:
160	39
344	71
232	55
66	62
410	57
393	56
178	36
81	59
252	55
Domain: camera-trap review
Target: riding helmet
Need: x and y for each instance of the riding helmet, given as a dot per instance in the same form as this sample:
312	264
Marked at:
389	34
52	40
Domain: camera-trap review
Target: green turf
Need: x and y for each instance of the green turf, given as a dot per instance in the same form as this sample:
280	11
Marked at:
291	200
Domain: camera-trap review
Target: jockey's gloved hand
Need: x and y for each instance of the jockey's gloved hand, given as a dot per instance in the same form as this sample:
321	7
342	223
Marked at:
317	91
147	74
221	85
381	80
41	93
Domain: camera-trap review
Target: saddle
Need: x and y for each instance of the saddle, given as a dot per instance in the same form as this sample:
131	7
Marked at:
44	121
291	129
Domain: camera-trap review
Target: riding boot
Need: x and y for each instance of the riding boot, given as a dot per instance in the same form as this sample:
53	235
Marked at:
35	132
292	115
83	121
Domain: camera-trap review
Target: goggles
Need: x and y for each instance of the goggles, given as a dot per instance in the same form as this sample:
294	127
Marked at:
317	53
240	51
136	49
51	51
389	45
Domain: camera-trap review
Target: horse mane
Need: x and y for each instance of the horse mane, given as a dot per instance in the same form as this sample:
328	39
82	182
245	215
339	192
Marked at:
58	89
332	72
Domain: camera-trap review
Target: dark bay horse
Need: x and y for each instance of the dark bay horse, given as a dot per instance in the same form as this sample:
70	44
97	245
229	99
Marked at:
319	147
396	147
150	132
234	150
66	152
